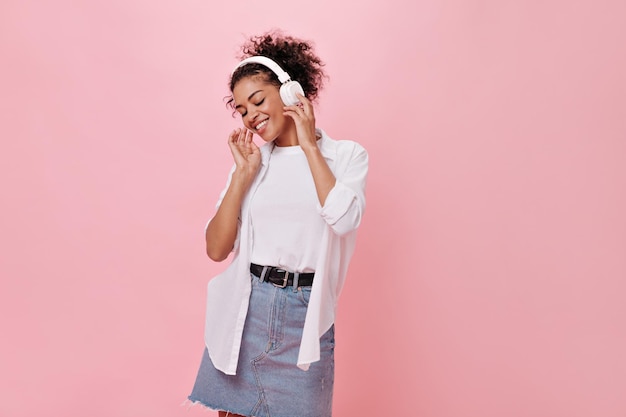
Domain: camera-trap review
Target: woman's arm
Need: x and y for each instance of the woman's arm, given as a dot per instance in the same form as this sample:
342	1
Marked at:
345	203
304	118
323	177
341	203
221	232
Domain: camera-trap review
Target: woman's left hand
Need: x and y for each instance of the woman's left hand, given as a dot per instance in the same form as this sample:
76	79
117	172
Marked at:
304	118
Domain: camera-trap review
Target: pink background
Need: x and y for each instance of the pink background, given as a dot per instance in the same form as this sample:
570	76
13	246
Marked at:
490	274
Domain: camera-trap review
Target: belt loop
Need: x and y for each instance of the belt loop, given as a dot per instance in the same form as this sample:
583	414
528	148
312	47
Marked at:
265	270
296	278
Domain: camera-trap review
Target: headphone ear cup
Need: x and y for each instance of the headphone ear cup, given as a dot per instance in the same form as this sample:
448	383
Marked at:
288	92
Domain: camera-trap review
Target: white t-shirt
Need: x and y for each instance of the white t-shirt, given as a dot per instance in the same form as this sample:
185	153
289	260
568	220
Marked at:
283	211
228	293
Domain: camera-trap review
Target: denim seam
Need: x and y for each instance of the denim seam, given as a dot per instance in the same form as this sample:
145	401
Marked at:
262	402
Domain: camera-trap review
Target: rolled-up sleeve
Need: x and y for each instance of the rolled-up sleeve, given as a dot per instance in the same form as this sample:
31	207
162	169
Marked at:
345	203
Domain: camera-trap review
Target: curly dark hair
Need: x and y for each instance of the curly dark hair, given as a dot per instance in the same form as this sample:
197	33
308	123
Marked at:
295	56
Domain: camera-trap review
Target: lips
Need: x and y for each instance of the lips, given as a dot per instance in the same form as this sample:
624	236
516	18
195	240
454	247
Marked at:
261	125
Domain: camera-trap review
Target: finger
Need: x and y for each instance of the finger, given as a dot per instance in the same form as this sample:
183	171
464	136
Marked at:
238	138
291	113
296	109
245	141
297	114
234	144
233	136
303	100
307	106
242	136
253	147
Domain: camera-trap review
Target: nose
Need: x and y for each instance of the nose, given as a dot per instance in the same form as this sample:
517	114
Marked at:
252	115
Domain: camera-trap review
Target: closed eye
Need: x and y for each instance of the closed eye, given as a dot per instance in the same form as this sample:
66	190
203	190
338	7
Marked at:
256	104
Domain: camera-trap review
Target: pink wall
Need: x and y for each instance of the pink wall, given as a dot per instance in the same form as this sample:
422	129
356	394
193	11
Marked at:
490	274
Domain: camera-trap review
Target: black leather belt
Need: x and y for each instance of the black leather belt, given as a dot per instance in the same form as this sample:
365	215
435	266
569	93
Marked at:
280	277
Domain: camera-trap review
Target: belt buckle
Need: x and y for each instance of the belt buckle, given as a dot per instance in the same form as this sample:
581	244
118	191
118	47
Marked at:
285	279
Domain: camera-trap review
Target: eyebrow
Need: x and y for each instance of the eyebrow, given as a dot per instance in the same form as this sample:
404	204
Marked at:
249	97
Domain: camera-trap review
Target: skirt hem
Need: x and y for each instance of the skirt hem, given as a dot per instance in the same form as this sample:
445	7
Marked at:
190	402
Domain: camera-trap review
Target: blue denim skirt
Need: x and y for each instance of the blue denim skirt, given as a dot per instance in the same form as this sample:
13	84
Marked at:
268	383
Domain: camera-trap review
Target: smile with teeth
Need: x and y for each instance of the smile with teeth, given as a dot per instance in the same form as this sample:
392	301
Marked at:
261	125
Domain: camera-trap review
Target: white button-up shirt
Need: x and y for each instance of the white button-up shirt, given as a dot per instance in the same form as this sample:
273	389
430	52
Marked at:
228	293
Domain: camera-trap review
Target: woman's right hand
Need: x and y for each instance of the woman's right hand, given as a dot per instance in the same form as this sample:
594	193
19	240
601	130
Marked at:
246	154
221	232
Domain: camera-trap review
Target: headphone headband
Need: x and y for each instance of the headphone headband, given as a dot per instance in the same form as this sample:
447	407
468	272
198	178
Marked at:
283	77
289	89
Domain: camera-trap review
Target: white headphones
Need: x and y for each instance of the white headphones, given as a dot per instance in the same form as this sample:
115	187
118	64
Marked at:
288	89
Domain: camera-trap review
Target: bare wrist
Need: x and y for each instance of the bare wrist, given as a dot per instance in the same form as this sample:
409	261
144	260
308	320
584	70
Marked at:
243	176
312	151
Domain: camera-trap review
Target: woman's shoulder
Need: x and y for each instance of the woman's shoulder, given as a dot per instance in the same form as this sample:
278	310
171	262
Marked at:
340	146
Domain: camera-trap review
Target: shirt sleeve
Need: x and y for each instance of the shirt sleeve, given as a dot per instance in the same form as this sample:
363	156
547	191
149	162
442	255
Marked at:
345	203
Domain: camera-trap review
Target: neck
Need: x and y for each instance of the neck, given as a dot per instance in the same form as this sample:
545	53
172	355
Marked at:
288	138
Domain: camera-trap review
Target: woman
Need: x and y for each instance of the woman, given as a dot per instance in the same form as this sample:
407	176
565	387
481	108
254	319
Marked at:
289	212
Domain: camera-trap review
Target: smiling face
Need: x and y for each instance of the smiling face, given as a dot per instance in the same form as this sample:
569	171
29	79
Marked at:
261	108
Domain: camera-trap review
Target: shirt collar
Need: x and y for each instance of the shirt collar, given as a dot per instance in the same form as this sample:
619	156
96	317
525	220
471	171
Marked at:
326	144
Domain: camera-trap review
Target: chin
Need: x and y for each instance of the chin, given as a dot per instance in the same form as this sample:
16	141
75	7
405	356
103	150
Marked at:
269	138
